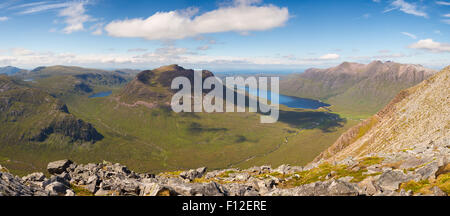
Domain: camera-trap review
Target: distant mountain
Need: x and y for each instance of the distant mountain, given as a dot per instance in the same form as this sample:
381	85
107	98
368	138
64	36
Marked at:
418	117
354	88
31	115
64	80
9	70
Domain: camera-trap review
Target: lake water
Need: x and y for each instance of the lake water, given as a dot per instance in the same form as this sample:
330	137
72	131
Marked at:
101	94
293	102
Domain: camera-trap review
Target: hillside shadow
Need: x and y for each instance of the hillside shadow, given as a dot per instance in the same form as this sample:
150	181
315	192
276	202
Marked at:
327	122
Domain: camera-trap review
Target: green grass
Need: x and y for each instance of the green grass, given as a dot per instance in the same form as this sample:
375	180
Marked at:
424	186
158	140
319	174
80	191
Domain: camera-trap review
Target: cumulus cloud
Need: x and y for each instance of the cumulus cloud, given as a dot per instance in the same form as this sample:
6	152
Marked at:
243	16
330	56
3	18
409	35
430	45
162	56
409	8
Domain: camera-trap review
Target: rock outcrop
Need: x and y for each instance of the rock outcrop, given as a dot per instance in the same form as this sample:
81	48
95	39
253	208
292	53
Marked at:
376	175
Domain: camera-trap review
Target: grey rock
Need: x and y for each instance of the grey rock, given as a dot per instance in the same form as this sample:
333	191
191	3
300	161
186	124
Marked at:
193	173
367	186
428	170
34	177
58	167
69	192
56	188
342	188
391	179
437	191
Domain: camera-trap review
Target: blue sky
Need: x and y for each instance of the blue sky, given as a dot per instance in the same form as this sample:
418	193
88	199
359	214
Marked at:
223	34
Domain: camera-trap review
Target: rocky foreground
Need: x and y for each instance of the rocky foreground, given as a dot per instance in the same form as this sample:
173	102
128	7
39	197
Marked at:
421	170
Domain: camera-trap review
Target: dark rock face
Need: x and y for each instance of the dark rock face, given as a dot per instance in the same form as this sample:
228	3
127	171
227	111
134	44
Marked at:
58	167
83	87
76	129
101	79
20	103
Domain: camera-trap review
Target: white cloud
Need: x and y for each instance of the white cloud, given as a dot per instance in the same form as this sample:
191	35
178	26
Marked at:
3	18
443	3
73	13
446	21
75	17
243	16
33	8
330	56
409	8
409	35
162	56
430	45
97	29
376	1
446	15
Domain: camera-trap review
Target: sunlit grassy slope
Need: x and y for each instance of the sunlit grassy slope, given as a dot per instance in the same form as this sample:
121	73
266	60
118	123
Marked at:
160	140
157	139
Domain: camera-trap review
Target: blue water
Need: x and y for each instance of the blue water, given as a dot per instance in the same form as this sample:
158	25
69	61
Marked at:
101	94
293	102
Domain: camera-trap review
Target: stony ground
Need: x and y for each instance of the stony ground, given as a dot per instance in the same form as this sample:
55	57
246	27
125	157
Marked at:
421	170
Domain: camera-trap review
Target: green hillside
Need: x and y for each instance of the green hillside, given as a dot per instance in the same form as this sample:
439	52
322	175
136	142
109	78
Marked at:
157	139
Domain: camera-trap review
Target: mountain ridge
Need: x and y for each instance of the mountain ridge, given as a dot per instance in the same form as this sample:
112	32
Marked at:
354	88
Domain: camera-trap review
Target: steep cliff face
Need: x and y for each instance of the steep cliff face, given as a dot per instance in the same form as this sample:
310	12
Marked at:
29	114
418	116
356	88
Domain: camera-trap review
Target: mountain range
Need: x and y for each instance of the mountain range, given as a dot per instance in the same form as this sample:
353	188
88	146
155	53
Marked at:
354	89
9	70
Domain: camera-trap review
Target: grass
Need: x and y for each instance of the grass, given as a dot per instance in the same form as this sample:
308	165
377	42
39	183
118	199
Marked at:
80	191
322	171
369	161
424	186
158	140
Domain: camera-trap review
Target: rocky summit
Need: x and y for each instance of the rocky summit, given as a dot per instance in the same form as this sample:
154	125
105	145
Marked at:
402	174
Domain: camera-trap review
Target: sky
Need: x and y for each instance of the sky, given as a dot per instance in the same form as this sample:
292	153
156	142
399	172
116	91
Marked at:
223	35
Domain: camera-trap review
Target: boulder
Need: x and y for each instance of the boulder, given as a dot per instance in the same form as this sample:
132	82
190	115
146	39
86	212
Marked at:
342	188
56	189
428	170
58	167
367	186
391	179
193	173
34	177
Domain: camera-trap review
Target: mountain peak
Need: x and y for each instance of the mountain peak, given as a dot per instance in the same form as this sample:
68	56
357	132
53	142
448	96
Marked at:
416	117
154	85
